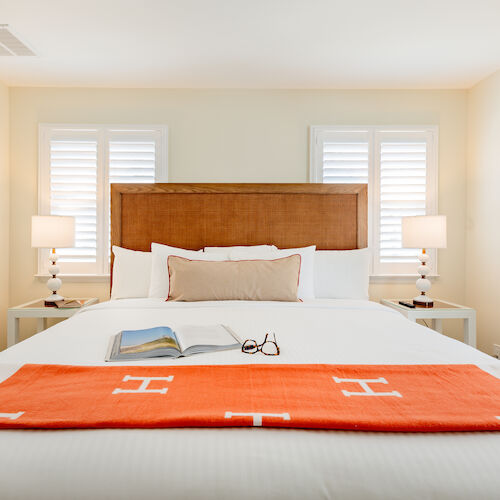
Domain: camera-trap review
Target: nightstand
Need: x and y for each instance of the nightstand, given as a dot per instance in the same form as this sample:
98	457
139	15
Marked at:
441	310
36	309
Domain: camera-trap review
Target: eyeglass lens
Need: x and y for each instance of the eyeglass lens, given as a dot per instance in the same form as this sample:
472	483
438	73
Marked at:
269	348
250	346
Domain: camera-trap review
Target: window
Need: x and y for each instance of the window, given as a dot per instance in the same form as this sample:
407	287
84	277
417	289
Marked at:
399	164
76	166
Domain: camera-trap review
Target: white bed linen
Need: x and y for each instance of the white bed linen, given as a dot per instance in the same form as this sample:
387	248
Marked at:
249	463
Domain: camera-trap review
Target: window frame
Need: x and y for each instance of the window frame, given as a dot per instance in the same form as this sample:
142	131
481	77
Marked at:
382	271
102	133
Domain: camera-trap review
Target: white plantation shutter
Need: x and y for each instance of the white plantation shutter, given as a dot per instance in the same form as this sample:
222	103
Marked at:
403	182
73	191
132	160
400	167
345	157
77	166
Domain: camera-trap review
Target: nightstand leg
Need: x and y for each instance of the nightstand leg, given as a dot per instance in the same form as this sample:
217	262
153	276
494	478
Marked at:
470	330
41	325
12	329
437	324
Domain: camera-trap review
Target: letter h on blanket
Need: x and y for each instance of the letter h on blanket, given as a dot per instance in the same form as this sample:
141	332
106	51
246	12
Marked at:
143	388
367	390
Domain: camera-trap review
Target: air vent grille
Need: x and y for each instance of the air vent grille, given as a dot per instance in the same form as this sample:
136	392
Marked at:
10	45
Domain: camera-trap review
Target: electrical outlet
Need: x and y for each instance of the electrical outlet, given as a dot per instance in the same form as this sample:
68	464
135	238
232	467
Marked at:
496	351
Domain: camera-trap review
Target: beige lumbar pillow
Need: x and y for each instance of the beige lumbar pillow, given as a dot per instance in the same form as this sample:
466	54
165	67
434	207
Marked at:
194	280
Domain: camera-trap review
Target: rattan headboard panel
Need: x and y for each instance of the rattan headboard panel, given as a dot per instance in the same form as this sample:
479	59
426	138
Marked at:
331	216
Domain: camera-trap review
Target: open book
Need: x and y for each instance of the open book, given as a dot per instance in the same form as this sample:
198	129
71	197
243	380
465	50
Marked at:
69	303
164	341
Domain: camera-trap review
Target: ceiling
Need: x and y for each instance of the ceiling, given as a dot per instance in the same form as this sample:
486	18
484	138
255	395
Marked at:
253	43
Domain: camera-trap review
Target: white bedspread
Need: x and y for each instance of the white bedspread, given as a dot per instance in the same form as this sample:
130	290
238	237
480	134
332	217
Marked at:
245	462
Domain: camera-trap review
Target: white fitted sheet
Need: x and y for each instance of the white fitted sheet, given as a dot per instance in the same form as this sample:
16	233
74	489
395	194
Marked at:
246	462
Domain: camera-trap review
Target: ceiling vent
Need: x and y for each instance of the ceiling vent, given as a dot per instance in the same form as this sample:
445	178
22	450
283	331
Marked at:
10	45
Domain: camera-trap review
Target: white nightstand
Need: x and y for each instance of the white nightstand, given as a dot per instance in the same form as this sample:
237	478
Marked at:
36	309
441	310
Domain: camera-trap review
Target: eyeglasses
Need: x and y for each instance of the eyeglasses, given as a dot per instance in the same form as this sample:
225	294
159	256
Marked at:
268	347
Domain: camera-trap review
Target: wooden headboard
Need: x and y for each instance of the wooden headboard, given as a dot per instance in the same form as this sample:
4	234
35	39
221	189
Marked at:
330	216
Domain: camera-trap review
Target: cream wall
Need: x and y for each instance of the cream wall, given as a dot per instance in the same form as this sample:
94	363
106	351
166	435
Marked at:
4	210
483	209
236	136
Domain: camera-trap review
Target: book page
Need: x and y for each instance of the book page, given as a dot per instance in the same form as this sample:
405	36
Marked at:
213	335
142	341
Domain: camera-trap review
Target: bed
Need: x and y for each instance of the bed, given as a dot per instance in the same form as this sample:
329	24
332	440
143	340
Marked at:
247	462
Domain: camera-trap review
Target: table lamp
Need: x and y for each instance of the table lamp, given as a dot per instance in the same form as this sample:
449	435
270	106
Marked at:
425	231
52	231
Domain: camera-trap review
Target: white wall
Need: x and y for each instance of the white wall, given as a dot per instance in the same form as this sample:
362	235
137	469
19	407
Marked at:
4	210
236	136
483	209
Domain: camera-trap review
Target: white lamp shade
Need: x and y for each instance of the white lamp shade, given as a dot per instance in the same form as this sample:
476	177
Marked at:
425	231
52	231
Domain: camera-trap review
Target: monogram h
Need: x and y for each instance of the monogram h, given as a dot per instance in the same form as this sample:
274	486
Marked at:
367	390
143	388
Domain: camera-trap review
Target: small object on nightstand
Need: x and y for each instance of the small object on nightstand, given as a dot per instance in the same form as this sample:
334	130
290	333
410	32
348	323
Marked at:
407	304
68	304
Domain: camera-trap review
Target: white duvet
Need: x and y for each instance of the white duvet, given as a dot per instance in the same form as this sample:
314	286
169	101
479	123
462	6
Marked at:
246	462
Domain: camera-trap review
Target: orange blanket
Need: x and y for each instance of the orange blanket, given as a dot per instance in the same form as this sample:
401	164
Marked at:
414	398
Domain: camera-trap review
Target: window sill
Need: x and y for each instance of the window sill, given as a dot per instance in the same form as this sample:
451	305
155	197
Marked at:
399	278
77	278
104	278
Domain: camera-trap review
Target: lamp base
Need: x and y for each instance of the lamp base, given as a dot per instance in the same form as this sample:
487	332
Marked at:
423	301
52	299
53	283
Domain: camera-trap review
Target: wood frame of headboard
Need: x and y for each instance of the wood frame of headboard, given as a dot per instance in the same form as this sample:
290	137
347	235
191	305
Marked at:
331	216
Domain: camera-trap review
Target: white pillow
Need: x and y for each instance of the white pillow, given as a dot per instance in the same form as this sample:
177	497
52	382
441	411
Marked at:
342	274
306	277
253	248
131	273
159	271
